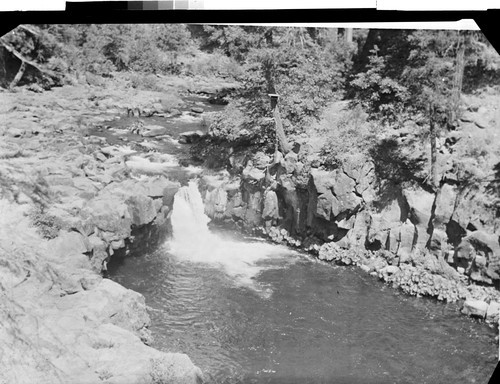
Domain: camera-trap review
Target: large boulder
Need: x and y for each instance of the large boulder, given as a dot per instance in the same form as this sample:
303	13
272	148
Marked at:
108	214
69	244
120	357
435	264
253	211
344	191
153	130
475	308
359	232
169	194
439	243
479	255
335	194
159	187
57	180
406	239
253	174
271	208
321	180
382	224
290	162
99	250
471	212
86	185
216	202
197	109
389	270
293	206
324	204
142	166
261	160
191	136
110	302
116	151
69	249
142	209
16	132
378	231
493	312
420	203
445	205
93	80
393	236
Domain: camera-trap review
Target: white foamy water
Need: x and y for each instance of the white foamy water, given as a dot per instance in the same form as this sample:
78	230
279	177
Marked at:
192	241
164	163
193	169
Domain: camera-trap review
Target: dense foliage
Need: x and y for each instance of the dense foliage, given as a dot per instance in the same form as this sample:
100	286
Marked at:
394	84
306	66
101	49
405	71
302	65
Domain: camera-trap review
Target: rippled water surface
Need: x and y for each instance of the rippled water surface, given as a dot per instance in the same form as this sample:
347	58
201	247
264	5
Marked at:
297	320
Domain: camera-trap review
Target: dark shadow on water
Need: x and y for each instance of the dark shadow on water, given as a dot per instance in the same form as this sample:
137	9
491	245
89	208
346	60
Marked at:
147	239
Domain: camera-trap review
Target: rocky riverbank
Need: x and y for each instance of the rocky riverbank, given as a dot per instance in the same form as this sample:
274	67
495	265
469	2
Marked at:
69	203
443	243
64	323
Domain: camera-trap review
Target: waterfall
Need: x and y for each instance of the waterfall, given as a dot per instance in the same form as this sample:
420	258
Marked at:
189	221
193	242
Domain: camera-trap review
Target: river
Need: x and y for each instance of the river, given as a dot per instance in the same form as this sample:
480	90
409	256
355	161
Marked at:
246	311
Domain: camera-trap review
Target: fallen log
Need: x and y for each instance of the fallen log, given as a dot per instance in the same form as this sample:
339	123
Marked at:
18	76
24	63
29	29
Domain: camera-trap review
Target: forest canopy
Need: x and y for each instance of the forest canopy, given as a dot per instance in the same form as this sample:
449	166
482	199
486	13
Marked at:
387	71
390	79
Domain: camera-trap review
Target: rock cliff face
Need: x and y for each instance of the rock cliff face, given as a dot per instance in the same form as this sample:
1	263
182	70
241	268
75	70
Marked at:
433	237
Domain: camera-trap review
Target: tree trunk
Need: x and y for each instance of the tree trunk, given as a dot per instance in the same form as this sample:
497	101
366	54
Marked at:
3	68
361	59
458	78
335	34
11	49
282	142
269	37
434	175
301	37
268	74
313	32
29	29
19	75
348	35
